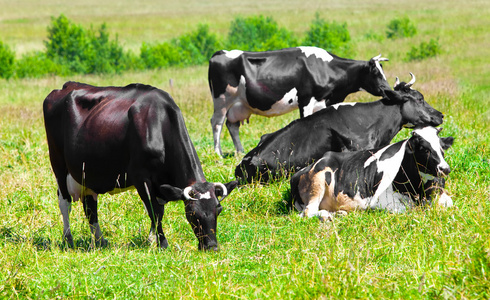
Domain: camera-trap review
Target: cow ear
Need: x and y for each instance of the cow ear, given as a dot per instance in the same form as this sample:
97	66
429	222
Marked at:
230	186
393	95
171	193
447	142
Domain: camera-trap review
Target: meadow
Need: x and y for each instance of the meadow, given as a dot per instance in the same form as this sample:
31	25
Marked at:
266	250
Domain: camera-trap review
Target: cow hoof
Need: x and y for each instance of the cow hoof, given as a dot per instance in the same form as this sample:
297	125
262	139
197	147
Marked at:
68	242
102	243
325	216
163	244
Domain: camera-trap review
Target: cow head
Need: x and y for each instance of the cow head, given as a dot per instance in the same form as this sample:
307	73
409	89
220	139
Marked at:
374	80
428	150
202	208
415	111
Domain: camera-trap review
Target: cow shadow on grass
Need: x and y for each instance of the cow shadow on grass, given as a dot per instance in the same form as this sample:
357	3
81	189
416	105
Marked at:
81	244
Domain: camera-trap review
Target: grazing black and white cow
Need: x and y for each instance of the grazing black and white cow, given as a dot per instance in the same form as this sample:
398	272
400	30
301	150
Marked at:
342	127
273	83
110	139
393	178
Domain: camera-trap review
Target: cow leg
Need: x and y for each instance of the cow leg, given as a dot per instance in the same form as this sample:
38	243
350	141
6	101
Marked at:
217	121
65	209
155	211
234	129
90	209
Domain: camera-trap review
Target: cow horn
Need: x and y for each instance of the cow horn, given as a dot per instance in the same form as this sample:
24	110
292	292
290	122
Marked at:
397	82
412	81
379	58
223	188
186	194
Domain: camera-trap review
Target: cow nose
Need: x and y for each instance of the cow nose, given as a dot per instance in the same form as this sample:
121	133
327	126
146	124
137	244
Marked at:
443	170
208	246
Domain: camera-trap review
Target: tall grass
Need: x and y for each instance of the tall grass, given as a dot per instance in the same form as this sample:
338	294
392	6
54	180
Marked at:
266	251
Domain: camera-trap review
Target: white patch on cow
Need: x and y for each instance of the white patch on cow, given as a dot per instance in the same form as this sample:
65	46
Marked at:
389	167
313	106
233	53
389	200
378	65
336	106
65	209
288	103
430	135
292	95
206	195
445	200
76	190
318	52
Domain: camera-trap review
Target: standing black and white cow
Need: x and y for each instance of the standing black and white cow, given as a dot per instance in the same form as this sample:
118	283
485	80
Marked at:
393	178
273	83
342	127
110	139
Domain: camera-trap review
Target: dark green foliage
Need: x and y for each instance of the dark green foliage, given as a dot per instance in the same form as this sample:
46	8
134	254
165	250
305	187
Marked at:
84	51
192	49
258	34
72	49
333	37
7	58
36	65
400	28
424	50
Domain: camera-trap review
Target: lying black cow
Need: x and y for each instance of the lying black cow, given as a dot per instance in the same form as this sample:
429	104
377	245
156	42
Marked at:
109	139
341	127
393	178
273	83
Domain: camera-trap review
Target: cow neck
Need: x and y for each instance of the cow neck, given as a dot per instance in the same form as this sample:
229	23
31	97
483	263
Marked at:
408	180
385	117
185	159
345	87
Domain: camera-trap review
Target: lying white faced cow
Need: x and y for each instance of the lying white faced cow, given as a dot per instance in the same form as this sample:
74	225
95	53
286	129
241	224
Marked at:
342	127
109	139
393	178
273	83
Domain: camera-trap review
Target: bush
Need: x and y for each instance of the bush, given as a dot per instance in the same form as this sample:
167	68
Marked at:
203	41
7	58
37	64
258	34
84	51
194	48
400	28
333	37
425	50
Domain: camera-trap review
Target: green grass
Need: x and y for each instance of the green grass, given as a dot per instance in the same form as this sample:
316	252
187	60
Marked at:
266	250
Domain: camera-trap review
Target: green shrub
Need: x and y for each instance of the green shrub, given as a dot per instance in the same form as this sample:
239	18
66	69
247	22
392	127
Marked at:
7	58
203	41
194	48
83	51
424	50
400	28
333	37
37	64
258	34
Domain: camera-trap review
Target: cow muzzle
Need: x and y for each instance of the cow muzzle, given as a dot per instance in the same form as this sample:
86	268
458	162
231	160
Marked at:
443	170
210	246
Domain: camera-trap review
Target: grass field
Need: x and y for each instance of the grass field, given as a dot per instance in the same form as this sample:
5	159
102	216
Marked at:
266	251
